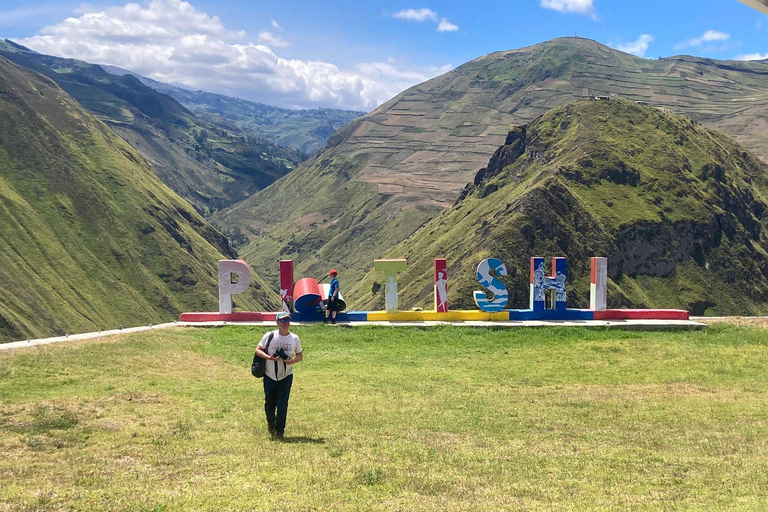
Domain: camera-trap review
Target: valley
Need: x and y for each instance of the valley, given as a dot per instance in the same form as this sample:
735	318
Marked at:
487	160
90	238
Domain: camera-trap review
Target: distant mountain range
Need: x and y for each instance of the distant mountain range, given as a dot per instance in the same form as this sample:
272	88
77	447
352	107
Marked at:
388	173
501	157
306	131
678	210
90	238
210	161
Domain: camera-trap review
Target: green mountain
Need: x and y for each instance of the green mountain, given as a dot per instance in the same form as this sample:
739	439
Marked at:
90	237
306	130
676	208
386	174
210	162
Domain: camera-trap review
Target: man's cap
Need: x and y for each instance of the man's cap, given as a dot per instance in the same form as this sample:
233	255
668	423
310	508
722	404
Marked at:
282	315
333	272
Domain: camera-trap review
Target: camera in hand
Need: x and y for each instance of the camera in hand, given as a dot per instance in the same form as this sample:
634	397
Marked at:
281	354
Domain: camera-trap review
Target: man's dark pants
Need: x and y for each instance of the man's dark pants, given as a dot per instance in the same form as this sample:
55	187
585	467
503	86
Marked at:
276	394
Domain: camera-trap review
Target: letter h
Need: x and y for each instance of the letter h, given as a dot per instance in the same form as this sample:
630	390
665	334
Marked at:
540	283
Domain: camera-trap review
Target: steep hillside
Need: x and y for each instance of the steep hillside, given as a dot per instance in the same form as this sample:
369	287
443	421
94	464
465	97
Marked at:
385	174
90	238
677	209
211	164
304	130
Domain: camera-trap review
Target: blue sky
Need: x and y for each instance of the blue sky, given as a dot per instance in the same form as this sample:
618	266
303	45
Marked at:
356	55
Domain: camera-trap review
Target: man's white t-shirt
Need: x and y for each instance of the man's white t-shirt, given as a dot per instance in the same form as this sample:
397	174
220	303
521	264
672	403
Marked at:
291	345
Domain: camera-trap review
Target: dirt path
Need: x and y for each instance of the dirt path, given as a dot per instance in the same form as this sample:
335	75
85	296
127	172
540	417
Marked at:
750	321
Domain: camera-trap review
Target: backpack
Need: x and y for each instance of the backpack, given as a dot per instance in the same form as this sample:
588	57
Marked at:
259	365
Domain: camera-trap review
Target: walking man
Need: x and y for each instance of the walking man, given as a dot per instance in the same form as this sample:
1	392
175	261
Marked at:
333	298
281	349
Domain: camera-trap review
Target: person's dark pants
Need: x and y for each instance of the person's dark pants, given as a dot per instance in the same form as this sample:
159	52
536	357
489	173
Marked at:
276	394
332	307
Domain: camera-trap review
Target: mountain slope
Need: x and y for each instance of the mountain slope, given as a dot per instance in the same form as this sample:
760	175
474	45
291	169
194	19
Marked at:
677	209
90	238
211	164
307	131
384	175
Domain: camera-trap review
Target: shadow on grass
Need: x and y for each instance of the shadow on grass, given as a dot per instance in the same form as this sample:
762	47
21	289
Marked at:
303	440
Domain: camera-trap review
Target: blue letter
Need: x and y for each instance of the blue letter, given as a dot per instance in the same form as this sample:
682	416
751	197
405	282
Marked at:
494	285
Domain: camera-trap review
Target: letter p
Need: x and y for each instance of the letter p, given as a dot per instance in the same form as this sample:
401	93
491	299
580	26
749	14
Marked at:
226	287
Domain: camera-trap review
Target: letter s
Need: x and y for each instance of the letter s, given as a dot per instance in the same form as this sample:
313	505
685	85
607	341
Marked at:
494	285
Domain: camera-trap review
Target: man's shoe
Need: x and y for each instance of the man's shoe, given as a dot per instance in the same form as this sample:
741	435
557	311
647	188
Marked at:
325	320
279	437
333	321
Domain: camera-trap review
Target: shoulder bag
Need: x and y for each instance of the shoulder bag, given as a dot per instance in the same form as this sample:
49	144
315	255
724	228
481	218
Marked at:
259	365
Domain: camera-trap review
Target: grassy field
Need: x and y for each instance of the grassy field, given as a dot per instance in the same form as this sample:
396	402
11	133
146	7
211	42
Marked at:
391	419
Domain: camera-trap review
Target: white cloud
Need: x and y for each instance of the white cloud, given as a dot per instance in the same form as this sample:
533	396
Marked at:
277	25
638	47
271	39
577	6
385	69
752	56
424	14
710	36
447	26
418	15
171	41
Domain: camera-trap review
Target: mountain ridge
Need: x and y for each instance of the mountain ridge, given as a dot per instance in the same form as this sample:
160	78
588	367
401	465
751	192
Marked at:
91	239
384	175
209	163
677	209
305	130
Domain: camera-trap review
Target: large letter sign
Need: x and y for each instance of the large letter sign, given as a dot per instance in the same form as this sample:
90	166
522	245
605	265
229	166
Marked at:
598	287
390	269
307	296
286	285
540	283
441	285
226	287
494	285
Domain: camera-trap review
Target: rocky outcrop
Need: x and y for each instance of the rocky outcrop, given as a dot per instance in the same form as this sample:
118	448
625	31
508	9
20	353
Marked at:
506	155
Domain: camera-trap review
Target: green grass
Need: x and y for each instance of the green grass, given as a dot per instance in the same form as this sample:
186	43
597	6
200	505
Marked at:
210	162
391	419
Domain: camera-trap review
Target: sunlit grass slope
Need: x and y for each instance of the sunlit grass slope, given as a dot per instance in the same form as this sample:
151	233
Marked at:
90	238
208	161
391	419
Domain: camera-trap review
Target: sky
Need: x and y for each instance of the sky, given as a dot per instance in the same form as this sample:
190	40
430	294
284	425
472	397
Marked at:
358	54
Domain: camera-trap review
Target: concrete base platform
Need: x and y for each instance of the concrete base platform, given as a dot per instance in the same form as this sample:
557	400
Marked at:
645	325
83	336
648	325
